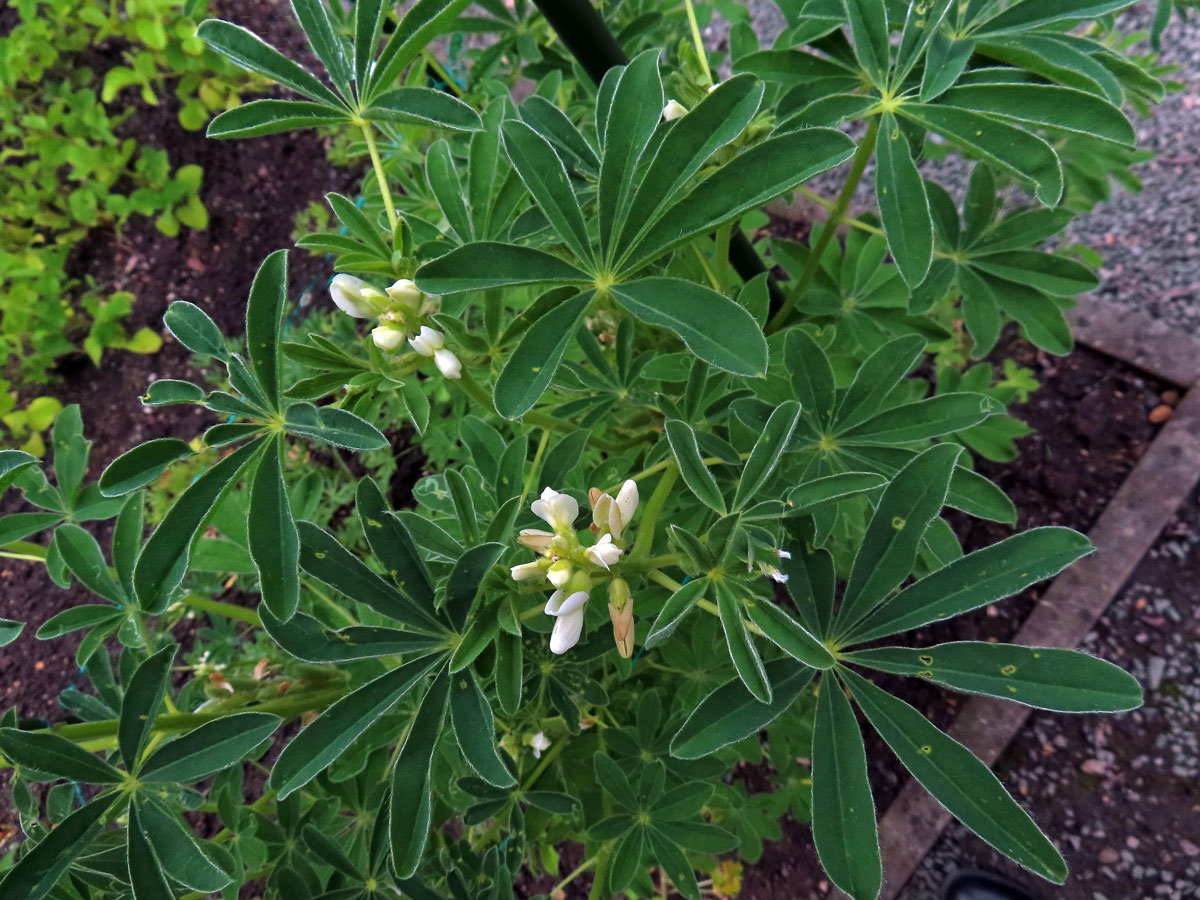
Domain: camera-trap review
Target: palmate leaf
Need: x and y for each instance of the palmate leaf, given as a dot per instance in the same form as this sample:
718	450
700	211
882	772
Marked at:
958	780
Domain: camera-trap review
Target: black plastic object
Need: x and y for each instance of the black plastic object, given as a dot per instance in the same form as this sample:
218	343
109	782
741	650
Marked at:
976	884
587	36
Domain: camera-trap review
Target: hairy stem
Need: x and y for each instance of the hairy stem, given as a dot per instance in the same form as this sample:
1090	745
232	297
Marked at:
373	149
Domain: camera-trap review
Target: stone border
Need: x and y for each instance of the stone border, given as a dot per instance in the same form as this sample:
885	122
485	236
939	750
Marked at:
1123	534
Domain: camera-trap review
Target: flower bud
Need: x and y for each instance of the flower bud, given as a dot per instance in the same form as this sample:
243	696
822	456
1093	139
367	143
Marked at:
526	571
405	293
348	294
448	364
620	613
674	110
535	539
388	337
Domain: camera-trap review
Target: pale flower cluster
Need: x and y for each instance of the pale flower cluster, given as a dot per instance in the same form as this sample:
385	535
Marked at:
568	566
399	310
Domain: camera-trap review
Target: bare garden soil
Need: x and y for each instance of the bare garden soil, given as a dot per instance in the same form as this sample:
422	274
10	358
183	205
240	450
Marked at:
1091	421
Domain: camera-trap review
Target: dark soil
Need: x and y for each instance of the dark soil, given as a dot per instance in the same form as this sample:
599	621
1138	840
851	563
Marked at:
253	190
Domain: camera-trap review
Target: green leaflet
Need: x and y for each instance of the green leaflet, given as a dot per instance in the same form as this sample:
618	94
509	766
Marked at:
264	320
530	368
767	452
831	488
630	120
958	780
423	106
251	52
339	427
1045	678
273	540
331	733
677	606
475	729
10	631
696	474
546	177
39	869
843	811
731	712
12	464
1005	146
924	419
164	560
715	328
43	751
810	374
713	123
303	637
914	497
903	203
259	118
466	580
745	656
760	174
180	856
313	17
789	635
489	264
393	545
1062	108
410	795
145	874
192	327
141	465
324	558
443	181
208	749
139	706
70	452
869	28
82	556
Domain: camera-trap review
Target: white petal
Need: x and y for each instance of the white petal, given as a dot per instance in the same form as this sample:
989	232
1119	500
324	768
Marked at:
627	500
386	337
601	510
554	604
559	510
406	293
559	573
447	363
525	571
535	539
419	344
432	337
346	291
566	632
573	604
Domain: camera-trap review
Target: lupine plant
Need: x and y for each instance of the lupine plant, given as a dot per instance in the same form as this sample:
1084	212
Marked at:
691	482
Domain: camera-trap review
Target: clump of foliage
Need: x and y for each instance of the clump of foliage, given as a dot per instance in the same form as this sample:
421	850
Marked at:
674	510
66	169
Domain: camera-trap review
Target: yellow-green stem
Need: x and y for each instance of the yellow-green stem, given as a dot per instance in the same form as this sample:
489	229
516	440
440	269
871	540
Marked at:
698	40
533	469
229	610
857	167
662	490
373	149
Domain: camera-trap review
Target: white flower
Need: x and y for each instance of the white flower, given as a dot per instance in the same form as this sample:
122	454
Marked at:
347	293
429	341
388	337
405	293
774	574
535	539
569	610
557	510
525	571
627	502
604	553
540	744
783	554
448	364
674	110
559	573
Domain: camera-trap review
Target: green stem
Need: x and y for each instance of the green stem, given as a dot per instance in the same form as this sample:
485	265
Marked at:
241	613
380	177
579	870
431	61
698	40
662	490
533	469
859	165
